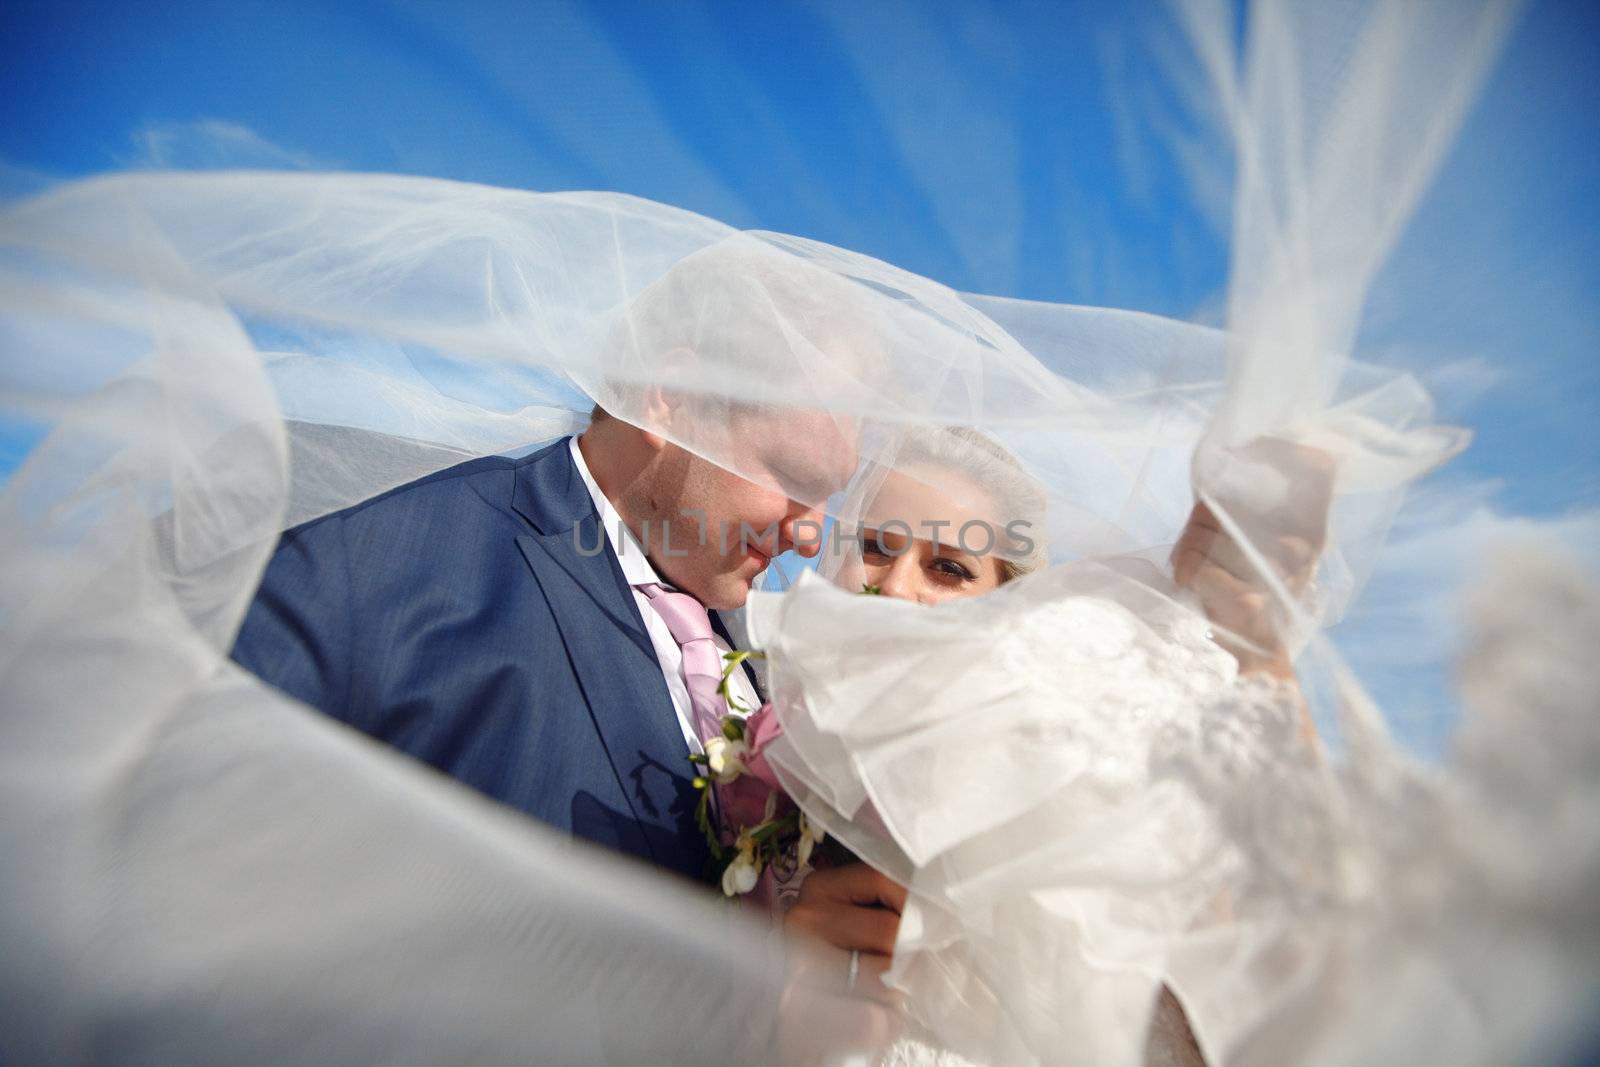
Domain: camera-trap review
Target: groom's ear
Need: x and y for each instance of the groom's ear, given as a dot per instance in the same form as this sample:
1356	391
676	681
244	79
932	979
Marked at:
662	406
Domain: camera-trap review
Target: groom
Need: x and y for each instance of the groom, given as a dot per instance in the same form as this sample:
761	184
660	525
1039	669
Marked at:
500	622
541	628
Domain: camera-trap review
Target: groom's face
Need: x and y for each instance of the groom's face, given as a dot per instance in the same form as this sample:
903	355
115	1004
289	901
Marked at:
794	461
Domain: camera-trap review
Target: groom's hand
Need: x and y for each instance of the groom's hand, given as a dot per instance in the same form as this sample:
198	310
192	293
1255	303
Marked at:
848	909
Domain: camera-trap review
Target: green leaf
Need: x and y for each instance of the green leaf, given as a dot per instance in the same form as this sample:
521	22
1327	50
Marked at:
871	590
702	815
724	688
772	829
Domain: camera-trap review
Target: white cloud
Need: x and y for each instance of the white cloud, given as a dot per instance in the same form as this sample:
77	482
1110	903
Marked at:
211	144
1460	384
1447	540
1405	634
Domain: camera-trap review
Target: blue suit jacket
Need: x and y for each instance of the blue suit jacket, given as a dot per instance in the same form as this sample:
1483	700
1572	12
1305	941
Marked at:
457	619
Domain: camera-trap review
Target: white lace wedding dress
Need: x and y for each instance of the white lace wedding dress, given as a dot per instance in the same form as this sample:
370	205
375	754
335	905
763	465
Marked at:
1088	804
1014	781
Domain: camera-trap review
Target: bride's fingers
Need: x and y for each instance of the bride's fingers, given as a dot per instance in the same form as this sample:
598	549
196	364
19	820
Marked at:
827	969
845	926
1203	543
854	883
1195	561
1231	603
1244	621
870	969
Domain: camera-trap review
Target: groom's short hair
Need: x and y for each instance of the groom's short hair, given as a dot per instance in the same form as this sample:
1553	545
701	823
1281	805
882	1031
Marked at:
786	331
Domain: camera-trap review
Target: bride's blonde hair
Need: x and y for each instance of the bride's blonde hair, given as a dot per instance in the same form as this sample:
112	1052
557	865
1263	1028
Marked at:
991	466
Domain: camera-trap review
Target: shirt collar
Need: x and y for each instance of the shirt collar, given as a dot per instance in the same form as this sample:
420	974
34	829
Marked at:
636	566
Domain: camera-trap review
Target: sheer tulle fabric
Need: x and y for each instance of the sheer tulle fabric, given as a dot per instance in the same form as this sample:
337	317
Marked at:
1084	798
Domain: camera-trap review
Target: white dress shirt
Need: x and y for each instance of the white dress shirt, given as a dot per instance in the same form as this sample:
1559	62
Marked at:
637	570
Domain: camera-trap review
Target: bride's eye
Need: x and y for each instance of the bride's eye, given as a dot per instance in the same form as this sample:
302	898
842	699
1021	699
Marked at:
871	547
954	569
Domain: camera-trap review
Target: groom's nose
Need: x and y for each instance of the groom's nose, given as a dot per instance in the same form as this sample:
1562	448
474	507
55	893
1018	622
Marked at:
801	529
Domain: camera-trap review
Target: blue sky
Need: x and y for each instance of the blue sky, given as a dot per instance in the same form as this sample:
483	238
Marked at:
926	140
1019	149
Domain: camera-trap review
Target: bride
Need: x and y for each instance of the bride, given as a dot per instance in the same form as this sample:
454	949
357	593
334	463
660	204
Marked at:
962	482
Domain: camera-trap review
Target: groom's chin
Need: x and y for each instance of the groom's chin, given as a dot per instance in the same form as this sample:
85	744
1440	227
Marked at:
730	594
729	590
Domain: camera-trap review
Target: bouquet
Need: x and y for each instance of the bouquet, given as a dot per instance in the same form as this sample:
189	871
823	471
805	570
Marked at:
755	830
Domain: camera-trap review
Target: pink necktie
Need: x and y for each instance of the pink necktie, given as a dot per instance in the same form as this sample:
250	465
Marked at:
702	661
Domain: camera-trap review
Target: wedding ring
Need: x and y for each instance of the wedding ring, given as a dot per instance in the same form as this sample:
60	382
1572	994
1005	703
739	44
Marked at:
855	969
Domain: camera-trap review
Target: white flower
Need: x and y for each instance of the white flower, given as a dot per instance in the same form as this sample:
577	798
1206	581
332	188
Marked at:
741	875
811	836
725	758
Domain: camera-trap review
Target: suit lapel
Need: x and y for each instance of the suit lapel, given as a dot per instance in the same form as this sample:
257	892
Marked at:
610	652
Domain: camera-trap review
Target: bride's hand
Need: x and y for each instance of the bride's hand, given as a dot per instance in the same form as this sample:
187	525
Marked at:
831	1007
848	909
1289	536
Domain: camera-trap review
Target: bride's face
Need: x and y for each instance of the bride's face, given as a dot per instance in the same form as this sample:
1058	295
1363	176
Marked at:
930	536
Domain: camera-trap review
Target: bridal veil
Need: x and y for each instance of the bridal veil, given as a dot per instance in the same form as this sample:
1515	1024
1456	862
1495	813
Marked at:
1086	803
